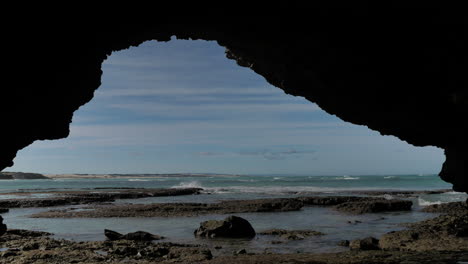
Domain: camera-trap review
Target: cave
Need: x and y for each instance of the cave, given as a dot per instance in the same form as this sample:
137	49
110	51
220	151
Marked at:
397	70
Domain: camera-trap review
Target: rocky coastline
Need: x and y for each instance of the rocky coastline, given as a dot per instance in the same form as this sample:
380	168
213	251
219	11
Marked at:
442	239
23	246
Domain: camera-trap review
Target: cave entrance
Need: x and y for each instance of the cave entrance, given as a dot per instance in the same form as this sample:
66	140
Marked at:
181	106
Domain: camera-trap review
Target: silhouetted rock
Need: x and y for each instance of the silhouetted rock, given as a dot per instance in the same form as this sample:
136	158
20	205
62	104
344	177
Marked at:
141	236
135	236
368	243
374	206
112	235
3	227
4	210
344	243
231	227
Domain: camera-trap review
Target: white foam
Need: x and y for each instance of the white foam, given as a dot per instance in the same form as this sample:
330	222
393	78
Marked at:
423	202
387	197
190	184
346	177
389	177
140	180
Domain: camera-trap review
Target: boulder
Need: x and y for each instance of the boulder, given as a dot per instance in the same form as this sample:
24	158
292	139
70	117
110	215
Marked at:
3	227
368	243
231	227
112	235
377	206
4	210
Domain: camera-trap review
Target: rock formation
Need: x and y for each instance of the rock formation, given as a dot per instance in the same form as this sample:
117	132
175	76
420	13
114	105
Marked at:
400	70
3	227
231	227
135	236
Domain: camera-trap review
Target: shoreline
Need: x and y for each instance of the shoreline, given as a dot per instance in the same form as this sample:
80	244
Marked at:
421	248
21	246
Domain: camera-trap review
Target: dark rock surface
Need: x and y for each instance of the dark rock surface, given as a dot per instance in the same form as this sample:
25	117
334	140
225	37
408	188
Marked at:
368	243
291	234
42	250
135	236
335	200
376	206
4	210
445	232
3	227
27	233
453	207
231	227
180	209
404	77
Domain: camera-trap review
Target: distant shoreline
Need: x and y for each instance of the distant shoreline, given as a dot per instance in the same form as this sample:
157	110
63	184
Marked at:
136	176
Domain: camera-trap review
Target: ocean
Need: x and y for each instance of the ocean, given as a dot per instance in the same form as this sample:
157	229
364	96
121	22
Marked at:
337	226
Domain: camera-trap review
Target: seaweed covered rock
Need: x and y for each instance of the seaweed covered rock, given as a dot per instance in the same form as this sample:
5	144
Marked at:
231	227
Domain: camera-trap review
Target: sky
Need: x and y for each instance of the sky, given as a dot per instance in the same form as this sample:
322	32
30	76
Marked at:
182	106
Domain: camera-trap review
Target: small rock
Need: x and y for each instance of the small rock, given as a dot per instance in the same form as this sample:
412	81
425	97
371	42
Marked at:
368	243
344	243
231	227
141	236
241	252
112	235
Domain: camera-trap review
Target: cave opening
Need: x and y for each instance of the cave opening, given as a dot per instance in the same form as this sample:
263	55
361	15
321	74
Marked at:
181	106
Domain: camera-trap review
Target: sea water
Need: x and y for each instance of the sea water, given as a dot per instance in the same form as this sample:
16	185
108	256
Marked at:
334	224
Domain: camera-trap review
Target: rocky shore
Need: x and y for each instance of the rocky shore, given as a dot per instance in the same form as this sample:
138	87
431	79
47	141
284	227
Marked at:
439	240
94	196
348	204
443	239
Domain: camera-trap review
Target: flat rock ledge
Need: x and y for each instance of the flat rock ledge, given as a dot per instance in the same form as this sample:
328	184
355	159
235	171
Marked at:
179	209
376	206
291	234
89	197
453	207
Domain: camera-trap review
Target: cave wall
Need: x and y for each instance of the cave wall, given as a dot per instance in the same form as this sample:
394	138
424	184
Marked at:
398	70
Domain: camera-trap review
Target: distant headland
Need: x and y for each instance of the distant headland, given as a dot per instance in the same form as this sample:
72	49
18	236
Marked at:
21	176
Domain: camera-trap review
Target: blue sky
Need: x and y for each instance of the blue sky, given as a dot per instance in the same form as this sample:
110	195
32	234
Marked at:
181	106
